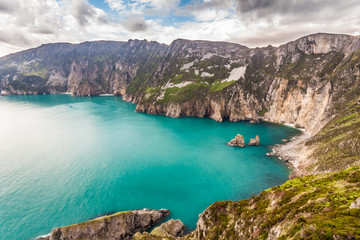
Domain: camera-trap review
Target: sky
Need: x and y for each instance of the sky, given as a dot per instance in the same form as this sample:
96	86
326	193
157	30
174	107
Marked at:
255	23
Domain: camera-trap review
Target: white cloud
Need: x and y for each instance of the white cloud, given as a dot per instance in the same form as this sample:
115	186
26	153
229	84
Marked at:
161	4
116	4
29	23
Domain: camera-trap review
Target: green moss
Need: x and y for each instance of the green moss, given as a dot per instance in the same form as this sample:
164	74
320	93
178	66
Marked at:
313	207
262	112
219	86
42	73
84	80
187	93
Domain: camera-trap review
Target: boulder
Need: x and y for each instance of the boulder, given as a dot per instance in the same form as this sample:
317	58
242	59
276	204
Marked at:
238	141
254	141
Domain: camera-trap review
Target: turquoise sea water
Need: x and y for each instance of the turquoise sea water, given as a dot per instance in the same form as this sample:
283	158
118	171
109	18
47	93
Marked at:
64	160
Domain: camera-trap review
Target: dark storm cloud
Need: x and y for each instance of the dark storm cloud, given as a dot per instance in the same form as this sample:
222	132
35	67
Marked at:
7	7
135	24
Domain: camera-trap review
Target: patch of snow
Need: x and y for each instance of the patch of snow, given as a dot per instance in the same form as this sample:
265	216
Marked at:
227	66
235	74
196	72
179	85
206	74
207	56
225	56
186	66
161	96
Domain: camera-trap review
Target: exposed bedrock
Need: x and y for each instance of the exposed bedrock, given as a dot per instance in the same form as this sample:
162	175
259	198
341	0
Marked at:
120	226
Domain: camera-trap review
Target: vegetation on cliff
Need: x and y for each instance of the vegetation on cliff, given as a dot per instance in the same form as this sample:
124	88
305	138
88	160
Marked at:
314	207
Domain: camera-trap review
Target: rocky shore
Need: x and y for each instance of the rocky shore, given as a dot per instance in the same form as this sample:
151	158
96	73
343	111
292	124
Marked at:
295	154
121	225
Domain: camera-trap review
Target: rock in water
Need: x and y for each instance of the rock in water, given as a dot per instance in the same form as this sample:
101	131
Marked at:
254	120
121	225
254	142
238	141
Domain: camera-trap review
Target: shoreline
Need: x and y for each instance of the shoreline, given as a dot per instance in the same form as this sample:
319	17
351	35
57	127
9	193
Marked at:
294	153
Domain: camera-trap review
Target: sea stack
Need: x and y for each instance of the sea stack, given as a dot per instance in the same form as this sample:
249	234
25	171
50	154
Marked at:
238	141
254	142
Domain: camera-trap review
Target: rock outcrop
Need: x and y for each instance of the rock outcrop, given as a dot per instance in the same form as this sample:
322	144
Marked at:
238	141
254	141
169	230
121	226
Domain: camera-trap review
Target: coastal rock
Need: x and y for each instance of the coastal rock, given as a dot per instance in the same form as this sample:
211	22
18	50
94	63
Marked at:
238	141
254	121
169	230
122	226
254	141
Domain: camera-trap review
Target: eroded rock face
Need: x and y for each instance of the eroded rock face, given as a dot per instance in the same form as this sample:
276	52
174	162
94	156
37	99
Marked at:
122	225
291	83
254	141
238	141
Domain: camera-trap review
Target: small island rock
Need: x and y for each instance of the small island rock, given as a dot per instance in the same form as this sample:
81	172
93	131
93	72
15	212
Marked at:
254	142
238	141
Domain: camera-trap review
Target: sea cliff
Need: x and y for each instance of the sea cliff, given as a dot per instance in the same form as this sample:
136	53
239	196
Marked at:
312	83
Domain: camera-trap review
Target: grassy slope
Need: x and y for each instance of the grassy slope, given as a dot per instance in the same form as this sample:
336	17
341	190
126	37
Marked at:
313	207
337	145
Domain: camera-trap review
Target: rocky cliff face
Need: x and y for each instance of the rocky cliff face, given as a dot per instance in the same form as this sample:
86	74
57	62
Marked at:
89	68
191	78
293	83
122	225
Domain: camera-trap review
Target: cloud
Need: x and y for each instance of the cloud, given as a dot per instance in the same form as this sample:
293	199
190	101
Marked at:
29	23
135	24
7	6
161	4
116	4
84	12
